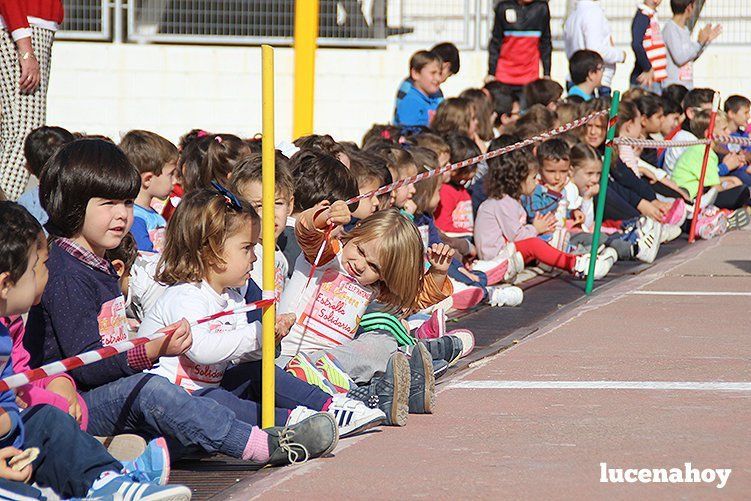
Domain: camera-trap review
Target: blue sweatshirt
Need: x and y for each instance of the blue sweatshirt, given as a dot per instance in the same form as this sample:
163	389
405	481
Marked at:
82	309
15	435
413	107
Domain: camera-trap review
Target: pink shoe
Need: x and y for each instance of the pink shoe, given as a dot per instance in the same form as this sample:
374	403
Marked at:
466	296
677	213
434	327
712	223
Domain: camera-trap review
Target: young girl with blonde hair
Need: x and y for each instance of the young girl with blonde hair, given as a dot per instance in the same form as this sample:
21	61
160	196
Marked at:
209	256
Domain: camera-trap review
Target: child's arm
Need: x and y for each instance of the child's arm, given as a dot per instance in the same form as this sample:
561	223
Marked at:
638	30
496	41
11	426
141	235
546	43
436	287
311	225
679	51
8	473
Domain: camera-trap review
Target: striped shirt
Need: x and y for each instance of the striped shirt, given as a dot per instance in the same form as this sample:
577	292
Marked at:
654	45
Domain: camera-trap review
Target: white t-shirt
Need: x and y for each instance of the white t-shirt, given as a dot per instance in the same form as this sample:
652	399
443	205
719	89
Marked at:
215	343
281	268
673	154
143	290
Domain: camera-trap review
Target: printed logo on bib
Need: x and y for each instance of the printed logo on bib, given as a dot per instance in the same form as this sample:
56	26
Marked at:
113	325
686	72
335	311
192	376
462	215
158	237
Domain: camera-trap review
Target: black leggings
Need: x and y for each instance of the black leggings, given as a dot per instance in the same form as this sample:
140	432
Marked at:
732	199
667	191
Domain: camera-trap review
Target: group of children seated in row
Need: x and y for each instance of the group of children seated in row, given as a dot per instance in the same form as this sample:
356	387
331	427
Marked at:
144	236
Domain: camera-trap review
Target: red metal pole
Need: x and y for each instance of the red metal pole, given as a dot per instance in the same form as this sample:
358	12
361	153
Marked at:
707	149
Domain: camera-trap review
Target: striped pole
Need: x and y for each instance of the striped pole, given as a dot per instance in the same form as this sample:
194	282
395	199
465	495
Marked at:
90	357
612	121
705	161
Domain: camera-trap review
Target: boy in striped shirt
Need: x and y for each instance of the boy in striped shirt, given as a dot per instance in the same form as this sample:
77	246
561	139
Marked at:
649	48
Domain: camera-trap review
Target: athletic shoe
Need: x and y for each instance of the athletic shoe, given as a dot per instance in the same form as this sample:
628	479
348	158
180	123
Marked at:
466	296
434	327
738	219
302	368
708	198
602	266
669	233
421	381
608	253
122	487
334	374
711	223
389	392
454	345
440	367
505	295
314	436
152	466
647	239
125	447
353	416
495	269
677	213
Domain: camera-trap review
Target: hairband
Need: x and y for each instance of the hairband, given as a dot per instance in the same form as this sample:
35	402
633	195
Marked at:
218	139
229	198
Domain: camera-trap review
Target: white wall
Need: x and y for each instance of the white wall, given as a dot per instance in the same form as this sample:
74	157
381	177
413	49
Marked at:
111	88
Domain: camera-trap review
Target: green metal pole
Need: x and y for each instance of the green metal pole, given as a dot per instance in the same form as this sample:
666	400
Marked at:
603	190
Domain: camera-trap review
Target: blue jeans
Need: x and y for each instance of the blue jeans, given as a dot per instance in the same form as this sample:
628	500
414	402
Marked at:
69	460
241	391
152	406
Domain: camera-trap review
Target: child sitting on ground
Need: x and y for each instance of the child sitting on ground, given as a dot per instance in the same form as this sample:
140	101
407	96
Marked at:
453	216
38	147
156	161
419	94
543	91
55	435
502	219
505	104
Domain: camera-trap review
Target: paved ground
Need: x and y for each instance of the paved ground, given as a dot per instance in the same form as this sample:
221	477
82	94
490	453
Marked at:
506	429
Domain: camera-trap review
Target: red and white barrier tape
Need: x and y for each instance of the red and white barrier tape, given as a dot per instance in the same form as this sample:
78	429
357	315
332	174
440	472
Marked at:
663	143
543	136
90	357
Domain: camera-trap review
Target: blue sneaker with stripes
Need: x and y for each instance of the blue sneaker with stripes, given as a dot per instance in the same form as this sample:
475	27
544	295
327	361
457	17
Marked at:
353	416
123	488
153	465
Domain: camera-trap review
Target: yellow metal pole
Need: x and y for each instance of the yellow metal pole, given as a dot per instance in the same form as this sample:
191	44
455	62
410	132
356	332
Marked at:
306	35
267	236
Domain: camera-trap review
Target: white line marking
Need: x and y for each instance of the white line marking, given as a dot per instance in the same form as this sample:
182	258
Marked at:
600	385
688	293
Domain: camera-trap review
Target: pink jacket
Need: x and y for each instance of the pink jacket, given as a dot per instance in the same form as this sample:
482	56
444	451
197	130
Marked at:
498	222
36	392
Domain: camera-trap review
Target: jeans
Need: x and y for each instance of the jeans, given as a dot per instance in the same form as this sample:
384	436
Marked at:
152	406
241	391
70	460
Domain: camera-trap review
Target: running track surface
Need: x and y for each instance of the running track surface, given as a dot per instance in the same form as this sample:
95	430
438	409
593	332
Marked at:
637	377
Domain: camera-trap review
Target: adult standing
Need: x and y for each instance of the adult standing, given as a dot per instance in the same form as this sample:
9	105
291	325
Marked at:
588	28
28	29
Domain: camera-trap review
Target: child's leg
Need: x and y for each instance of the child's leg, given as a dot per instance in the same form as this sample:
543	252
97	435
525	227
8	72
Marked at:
741	174
244	380
70	460
365	356
732	199
534	249
245	409
617	207
18	490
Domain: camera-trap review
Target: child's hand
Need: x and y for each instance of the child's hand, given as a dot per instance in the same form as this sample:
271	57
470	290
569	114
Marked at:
284	323
592	191
648	174
8	473
727	182
439	257
178	341
651	210
709	33
464	271
733	160
339	214
577	217
63	387
410	207
544	223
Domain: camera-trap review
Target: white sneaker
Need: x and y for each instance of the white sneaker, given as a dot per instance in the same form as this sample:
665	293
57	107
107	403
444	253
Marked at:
708	198
669	233
602	266
503	295
299	414
648	239
515	265
353	416
609	253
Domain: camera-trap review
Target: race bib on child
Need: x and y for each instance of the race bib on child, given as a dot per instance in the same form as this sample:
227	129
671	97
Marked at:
686	72
335	311
462	216
113	325
192	376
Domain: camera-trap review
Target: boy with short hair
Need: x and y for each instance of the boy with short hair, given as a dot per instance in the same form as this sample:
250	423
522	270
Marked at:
156	161
586	68
695	101
451	62
681	51
419	95
542	91
738	110
506	106
650	69
39	146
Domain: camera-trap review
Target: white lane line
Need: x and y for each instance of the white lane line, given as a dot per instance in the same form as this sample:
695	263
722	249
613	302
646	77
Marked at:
601	385
688	293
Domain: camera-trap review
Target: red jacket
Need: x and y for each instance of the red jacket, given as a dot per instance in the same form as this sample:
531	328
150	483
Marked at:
15	13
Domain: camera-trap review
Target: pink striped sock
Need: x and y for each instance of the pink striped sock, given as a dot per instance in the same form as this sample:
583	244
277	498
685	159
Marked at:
257	448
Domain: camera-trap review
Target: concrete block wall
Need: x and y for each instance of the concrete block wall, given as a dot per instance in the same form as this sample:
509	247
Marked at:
112	88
